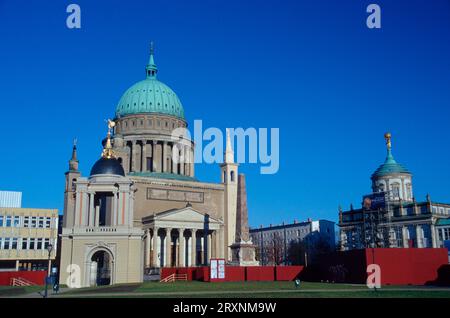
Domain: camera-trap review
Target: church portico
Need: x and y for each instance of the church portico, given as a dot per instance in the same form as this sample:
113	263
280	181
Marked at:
186	238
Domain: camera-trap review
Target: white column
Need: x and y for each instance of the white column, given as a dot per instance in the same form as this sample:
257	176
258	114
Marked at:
164	155
154	158
97	215
405	236
167	249
433	235
133	156
419	236
116	208
209	247
202	249
91	209
147	248
174	165
182	160
193	247
191	161
155	262
144	156
214	245
182	249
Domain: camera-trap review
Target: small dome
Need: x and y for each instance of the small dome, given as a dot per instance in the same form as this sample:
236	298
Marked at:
107	166
390	166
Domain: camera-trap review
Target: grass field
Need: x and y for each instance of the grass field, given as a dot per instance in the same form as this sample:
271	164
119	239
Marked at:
254	289
238	290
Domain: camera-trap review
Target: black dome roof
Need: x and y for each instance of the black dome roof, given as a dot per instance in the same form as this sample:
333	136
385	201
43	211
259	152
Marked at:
107	166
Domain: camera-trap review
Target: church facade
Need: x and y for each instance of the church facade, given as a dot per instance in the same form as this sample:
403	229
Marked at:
142	207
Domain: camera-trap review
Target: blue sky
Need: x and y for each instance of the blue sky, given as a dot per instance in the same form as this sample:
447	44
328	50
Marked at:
311	68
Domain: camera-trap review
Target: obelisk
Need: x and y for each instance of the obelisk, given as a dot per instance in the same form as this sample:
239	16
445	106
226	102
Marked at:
243	250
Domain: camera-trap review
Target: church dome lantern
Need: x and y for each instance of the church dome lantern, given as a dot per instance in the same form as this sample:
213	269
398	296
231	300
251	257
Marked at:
150	96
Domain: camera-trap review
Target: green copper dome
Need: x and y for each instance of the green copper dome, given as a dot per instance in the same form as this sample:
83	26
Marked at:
150	96
390	166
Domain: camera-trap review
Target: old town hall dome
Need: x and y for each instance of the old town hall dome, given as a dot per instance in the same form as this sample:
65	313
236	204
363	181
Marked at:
150	96
390	166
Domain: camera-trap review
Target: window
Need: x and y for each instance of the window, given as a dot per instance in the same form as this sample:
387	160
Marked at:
46	243
8	221
47	222
447	234
14	243
1	220
39	244
7	243
16	221
24	243
32	244
41	222
396	190
33	221
26	221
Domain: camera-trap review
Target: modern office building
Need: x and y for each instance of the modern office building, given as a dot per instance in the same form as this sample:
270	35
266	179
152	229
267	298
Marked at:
10	199
276	244
24	237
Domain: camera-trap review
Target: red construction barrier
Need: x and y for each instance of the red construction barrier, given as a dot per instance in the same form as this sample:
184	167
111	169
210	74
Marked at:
234	274
287	273
36	277
407	266
189	271
260	273
202	274
238	273
167	271
399	266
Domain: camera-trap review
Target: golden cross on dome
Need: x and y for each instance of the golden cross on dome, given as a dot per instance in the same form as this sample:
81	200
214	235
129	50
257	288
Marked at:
107	150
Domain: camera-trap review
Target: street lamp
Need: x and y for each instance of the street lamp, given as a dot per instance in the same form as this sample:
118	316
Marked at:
49	249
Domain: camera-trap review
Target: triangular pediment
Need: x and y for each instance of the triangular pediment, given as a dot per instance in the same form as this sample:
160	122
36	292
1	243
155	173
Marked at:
185	214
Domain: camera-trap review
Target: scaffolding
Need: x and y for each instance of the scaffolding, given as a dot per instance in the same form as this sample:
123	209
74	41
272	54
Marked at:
376	228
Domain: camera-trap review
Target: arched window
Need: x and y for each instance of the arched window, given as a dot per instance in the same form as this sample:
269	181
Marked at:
395	190
232	176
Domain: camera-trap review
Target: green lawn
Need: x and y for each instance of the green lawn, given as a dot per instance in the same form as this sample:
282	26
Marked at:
11	291
255	289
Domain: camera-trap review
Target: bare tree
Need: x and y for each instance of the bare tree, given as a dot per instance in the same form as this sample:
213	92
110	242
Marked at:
274	250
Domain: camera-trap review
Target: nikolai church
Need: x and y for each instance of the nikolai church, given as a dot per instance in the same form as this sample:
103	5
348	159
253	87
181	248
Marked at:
141	207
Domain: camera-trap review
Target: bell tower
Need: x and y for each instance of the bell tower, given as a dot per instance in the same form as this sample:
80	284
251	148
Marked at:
229	170
69	191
